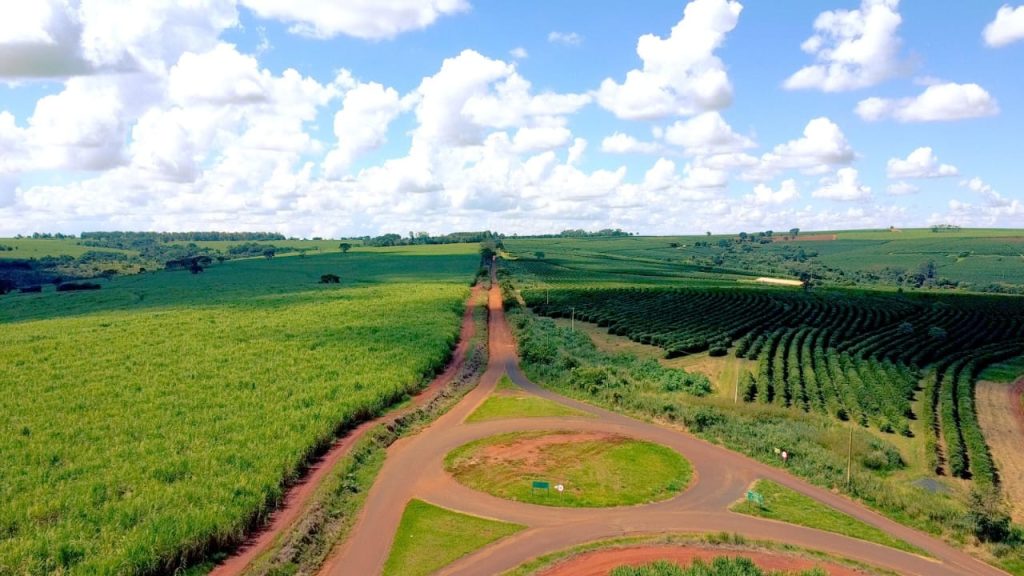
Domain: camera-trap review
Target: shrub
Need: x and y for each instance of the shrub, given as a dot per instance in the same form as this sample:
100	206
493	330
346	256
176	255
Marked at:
330	279
75	286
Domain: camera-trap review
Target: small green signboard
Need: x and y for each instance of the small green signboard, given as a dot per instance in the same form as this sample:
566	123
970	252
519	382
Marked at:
541	485
755	497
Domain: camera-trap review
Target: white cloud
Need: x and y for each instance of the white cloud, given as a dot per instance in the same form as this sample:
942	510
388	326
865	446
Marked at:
60	38
763	194
996	210
992	198
361	124
680	75
220	76
921	163
940	102
1008	27
696	183
619	143
855	48
368	19
822	146
519	53
845	186
707	133
565	38
901	189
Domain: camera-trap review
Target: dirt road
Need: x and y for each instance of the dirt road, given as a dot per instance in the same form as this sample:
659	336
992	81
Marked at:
601	562
414	468
299	495
1001	416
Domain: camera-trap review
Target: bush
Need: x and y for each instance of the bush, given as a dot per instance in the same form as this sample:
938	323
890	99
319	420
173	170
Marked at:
75	286
330	279
718	351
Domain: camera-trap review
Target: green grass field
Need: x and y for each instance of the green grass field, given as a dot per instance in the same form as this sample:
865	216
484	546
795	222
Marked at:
509	401
40	247
595	472
790	506
430	538
147	422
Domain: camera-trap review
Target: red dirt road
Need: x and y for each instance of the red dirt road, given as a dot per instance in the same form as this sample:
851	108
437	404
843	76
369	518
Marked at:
299	495
602	562
414	469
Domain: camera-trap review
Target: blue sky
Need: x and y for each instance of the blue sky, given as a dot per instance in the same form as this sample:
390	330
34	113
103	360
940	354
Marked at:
313	118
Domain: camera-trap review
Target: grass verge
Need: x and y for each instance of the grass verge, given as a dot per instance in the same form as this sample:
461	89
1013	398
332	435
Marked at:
595	470
430	538
790	506
509	401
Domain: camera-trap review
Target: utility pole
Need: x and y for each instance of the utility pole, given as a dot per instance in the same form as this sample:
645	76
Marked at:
572	323
547	296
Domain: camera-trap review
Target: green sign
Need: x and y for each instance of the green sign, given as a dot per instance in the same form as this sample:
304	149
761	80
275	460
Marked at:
538	484
755	497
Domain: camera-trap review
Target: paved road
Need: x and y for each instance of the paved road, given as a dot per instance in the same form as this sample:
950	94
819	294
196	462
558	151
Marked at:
414	469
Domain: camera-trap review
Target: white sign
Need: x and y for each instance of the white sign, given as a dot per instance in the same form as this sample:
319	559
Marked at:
559	487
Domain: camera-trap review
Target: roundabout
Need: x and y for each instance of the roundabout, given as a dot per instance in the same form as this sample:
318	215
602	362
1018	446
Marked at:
570	469
487	469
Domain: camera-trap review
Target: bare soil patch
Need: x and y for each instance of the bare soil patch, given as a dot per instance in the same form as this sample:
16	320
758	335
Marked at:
1002	420
530	452
602	562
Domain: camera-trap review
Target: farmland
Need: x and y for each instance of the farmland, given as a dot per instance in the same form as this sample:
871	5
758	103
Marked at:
975	259
899	365
153	420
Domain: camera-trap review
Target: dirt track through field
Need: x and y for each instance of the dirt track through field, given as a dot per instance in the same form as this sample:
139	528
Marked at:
415	469
300	494
601	562
1002	420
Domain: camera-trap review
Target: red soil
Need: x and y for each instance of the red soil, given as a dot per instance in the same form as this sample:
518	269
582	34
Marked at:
602	562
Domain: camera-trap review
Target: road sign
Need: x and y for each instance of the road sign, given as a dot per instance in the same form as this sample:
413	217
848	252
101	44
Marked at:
541	485
559	487
755	497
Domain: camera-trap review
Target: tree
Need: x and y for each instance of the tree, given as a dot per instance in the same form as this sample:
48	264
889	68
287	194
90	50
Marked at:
330	279
345	247
708	232
269	253
539	255
794	232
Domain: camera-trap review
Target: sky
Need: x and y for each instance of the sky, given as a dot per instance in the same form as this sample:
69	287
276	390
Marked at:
325	118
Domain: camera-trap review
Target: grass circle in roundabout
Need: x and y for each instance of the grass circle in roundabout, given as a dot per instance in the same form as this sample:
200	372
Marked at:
595	469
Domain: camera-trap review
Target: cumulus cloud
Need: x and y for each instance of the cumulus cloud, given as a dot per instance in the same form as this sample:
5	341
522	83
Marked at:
921	163
845	186
763	194
855	48
704	134
822	146
901	189
368	19
619	143
361	124
938	103
519	53
60	38
680	74
565	38
1008	27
